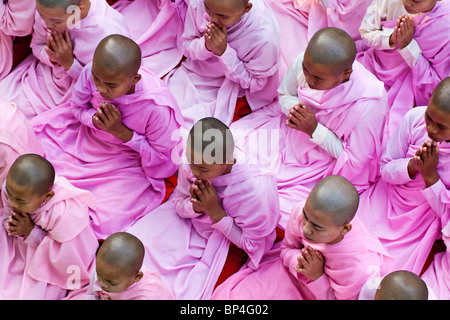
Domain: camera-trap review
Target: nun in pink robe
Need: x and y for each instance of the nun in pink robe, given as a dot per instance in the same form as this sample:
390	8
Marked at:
188	251
36	84
206	85
127	179
17	18
58	255
16	137
410	77
299	20
354	111
400	210
154	26
349	264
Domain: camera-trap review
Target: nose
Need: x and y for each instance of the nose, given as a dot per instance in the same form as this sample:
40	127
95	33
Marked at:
214	18
307	230
310	80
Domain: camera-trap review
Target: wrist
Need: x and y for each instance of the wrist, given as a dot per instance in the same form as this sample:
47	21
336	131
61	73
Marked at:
431	179
125	134
217	214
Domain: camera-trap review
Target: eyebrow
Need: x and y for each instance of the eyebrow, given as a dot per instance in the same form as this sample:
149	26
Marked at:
317	77
314	224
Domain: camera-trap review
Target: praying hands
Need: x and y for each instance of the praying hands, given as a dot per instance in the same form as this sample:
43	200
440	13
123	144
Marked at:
302	118
215	39
19	224
310	263
204	198
403	32
109	119
59	49
425	162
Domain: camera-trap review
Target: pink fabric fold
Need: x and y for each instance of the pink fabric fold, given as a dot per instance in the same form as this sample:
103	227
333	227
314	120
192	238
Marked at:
188	251
63	259
95	160
36	84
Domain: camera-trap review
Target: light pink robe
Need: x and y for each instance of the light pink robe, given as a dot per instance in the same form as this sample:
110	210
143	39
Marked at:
37	84
349	264
408	87
127	179
206	85
188	251
355	111
58	255
301	19
150	287
16	137
399	210
16	20
155	26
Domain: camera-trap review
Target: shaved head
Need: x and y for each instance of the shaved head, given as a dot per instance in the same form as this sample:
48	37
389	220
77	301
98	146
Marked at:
332	47
336	196
402	285
212	139
122	250
34	171
119	54
441	96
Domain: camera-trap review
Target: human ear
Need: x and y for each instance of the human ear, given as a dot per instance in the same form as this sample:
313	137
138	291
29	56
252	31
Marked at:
136	78
248	7
138	276
347	74
346	228
49	195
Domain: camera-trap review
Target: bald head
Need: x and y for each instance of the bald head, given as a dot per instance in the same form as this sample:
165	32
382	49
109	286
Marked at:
212	139
336	196
122	250
119	54
402	285
34	171
332	47
440	97
58	3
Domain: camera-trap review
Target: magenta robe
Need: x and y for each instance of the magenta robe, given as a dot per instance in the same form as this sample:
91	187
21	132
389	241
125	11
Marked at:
399	210
408	87
206	85
188	251
127	179
37	84
349	264
159	39
58	255
300	19
16	20
16	137
355	111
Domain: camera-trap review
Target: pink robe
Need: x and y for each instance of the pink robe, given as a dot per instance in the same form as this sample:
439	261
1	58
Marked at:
437	276
150	287
206	85
16	137
355	111
399	210
36	84
349	264
300	19
16	20
58	255
95	160
159	39
408	87
188	251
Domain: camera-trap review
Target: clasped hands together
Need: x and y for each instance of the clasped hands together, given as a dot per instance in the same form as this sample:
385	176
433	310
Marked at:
403	32
59	48
204	199
215	38
302	118
425	162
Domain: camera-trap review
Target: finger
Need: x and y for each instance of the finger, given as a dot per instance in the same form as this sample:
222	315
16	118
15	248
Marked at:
98	122
67	37
57	38
102	115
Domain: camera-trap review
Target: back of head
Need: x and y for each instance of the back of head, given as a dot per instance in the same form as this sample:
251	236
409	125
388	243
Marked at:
332	47
119	54
123	250
58	3
402	285
213	140
336	196
440	97
33	170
